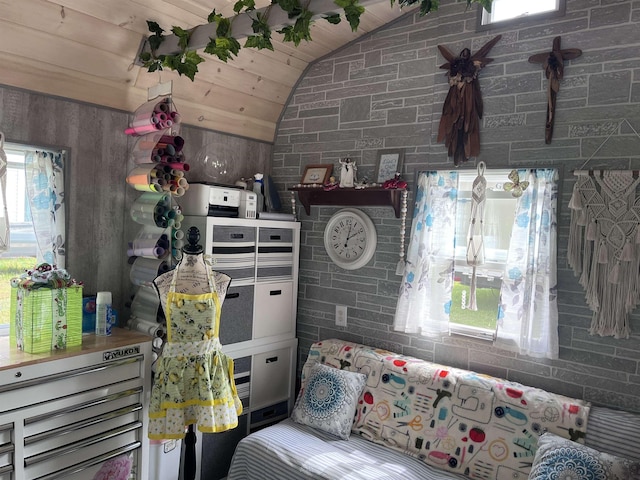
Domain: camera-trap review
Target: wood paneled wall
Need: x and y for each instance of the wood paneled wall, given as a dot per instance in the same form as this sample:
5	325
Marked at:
98	198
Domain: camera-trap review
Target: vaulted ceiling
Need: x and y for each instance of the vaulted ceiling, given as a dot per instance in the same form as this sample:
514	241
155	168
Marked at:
86	50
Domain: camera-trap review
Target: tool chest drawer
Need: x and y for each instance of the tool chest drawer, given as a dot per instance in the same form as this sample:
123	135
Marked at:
46	388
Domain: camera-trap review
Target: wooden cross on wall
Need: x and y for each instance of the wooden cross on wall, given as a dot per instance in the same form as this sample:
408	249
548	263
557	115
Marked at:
553	65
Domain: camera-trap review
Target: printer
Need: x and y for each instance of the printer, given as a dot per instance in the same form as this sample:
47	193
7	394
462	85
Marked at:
205	199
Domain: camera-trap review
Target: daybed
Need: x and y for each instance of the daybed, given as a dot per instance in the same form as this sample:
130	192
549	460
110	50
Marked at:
365	413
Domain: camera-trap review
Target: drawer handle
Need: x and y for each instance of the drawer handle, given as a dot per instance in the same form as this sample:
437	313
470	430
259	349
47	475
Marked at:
18	374
271	360
232	295
6	448
6	469
79	467
269	413
237	235
274	237
275	292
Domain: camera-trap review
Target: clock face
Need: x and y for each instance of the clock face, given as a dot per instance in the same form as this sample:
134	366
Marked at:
350	239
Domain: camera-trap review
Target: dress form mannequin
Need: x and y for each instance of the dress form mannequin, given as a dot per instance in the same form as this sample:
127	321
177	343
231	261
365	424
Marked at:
194	383
193	273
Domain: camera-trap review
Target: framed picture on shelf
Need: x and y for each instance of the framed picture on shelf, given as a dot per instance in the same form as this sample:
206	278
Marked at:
316	174
389	162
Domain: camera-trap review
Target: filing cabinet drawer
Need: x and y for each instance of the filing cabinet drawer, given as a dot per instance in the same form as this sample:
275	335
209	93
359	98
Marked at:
274	313
275	254
269	415
271	377
236	319
275	236
234	250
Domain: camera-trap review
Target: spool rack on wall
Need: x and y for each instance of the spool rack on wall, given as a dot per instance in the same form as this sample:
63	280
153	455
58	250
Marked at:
158	172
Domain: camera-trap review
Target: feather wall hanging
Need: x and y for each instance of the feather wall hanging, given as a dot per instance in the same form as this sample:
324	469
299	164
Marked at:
463	108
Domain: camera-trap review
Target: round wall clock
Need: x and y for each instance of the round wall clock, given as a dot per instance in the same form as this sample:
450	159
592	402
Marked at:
350	238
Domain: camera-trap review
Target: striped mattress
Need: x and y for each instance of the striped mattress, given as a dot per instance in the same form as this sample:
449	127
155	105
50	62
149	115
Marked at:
288	450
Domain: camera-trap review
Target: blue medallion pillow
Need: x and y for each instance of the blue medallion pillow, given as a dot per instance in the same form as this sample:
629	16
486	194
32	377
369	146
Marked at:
328	400
558	458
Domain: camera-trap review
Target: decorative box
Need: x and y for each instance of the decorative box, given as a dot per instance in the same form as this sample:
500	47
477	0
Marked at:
45	315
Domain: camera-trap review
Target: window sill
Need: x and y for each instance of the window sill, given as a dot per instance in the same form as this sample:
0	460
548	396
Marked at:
472	332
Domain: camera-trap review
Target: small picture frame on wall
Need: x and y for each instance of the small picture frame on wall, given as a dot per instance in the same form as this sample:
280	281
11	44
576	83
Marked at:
317	174
389	162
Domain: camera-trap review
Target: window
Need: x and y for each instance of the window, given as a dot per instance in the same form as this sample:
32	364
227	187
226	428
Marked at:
526	312
498	214
513	10
22	244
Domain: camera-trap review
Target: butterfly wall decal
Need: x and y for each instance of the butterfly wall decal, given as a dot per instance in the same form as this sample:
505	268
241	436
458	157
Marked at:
515	186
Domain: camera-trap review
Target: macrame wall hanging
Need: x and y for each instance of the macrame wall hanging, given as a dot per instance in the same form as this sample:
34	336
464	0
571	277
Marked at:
475	245
604	245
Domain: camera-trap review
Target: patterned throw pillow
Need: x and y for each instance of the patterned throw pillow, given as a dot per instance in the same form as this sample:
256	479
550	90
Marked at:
558	458
328	400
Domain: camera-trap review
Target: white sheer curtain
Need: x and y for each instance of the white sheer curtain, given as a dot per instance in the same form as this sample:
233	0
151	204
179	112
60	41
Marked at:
44	172
4	214
528	313
425	294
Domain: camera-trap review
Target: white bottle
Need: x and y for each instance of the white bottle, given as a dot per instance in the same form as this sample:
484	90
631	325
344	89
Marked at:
258	188
103	314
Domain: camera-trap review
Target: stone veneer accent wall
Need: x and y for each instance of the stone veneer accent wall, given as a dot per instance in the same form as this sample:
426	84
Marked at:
386	91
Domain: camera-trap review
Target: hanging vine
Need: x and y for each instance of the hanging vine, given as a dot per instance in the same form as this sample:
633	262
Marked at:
224	46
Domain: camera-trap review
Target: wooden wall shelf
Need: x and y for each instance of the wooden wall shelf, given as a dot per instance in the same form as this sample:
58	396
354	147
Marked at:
373	196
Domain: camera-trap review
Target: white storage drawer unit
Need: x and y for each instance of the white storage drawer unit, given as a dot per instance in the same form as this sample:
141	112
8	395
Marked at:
65	417
257	324
259	254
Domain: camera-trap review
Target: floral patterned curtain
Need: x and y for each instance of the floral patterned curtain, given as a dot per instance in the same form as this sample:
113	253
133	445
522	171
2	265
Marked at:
528	312
425	294
45	190
4	214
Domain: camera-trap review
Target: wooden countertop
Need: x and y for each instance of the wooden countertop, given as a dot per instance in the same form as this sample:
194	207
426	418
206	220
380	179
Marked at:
11	357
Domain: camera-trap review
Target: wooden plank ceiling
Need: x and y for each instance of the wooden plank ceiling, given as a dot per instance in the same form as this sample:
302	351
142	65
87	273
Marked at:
85	50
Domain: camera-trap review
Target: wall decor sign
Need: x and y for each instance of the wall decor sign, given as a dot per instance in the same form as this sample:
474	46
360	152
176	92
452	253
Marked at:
389	163
316	174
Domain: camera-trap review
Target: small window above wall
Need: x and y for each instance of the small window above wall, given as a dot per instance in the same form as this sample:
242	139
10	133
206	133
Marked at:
507	12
